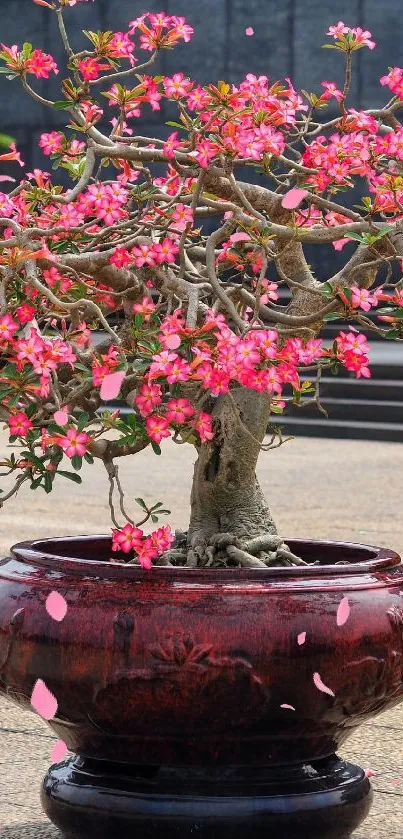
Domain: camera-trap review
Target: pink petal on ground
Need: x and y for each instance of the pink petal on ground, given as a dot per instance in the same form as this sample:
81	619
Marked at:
172	342
61	417
293	198
301	638
56	606
369	773
59	751
43	701
343	612
111	384
288	707
321	686
249	31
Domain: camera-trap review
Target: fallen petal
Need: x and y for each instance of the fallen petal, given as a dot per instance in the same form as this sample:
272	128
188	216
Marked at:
111	384
61	417
321	686
172	342
289	707
343	612
43	701
56	606
59	751
249	31
293	198
301	638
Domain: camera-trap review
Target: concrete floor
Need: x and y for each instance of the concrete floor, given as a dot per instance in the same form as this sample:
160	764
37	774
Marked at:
319	489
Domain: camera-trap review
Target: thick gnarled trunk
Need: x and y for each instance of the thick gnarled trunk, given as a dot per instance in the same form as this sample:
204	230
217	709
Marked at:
226	496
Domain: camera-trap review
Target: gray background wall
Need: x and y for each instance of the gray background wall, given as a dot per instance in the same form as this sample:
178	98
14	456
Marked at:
287	41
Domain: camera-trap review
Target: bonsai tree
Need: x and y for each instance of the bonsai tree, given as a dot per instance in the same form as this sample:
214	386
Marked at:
156	278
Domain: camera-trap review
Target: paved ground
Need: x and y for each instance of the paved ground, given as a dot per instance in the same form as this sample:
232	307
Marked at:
330	489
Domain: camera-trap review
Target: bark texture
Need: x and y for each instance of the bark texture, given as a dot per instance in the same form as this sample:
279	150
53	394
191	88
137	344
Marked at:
226	497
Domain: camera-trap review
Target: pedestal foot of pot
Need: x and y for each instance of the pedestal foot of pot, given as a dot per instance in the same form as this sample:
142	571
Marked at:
89	799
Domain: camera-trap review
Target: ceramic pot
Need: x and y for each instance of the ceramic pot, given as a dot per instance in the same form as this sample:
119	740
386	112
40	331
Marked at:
195	699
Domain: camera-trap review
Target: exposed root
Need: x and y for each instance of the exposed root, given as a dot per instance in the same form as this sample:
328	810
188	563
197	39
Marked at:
225	550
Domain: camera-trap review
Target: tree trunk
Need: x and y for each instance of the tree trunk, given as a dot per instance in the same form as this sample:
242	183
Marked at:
226	496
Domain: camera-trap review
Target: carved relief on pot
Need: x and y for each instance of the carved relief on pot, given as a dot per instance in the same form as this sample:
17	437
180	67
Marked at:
186	684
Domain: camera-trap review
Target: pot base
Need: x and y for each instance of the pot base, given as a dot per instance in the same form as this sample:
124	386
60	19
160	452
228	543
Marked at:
327	799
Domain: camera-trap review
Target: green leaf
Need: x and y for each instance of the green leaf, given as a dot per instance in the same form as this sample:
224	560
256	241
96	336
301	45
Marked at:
174	124
61	105
27	50
48	482
5	139
142	504
77	462
332	316
88	457
155	447
358	237
36	482
71	476
82	421
154	519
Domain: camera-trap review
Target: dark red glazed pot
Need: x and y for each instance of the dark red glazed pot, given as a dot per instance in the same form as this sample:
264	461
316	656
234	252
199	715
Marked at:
170	684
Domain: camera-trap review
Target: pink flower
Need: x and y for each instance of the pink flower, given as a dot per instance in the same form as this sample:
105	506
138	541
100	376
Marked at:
179	411
25	313
89	68
171	145
177	86
127	539
331	90
148	397
157	428
204	427
74	442
362	36
8	327
182	216
338	30
19	425
146	307
121	258
361	298
41	65
165	251
162	539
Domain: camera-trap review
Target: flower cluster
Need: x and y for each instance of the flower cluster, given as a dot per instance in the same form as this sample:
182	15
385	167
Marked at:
145	548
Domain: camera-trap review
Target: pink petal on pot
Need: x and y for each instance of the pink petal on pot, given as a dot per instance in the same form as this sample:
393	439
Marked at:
111	384
289	707
59	751
321	686
249	31
61	417
4	178
301	638
343	612
172	342
56	606
43	701
293	198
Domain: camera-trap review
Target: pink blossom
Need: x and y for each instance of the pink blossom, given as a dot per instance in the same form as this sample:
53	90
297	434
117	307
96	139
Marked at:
8	327
157	428
203	424
19	424
74	442
147	398
127	539
179	411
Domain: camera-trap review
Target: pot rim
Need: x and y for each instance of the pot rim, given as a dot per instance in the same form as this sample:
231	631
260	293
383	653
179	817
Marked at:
37	552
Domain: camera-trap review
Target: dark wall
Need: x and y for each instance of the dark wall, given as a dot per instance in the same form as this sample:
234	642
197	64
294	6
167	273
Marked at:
287	41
